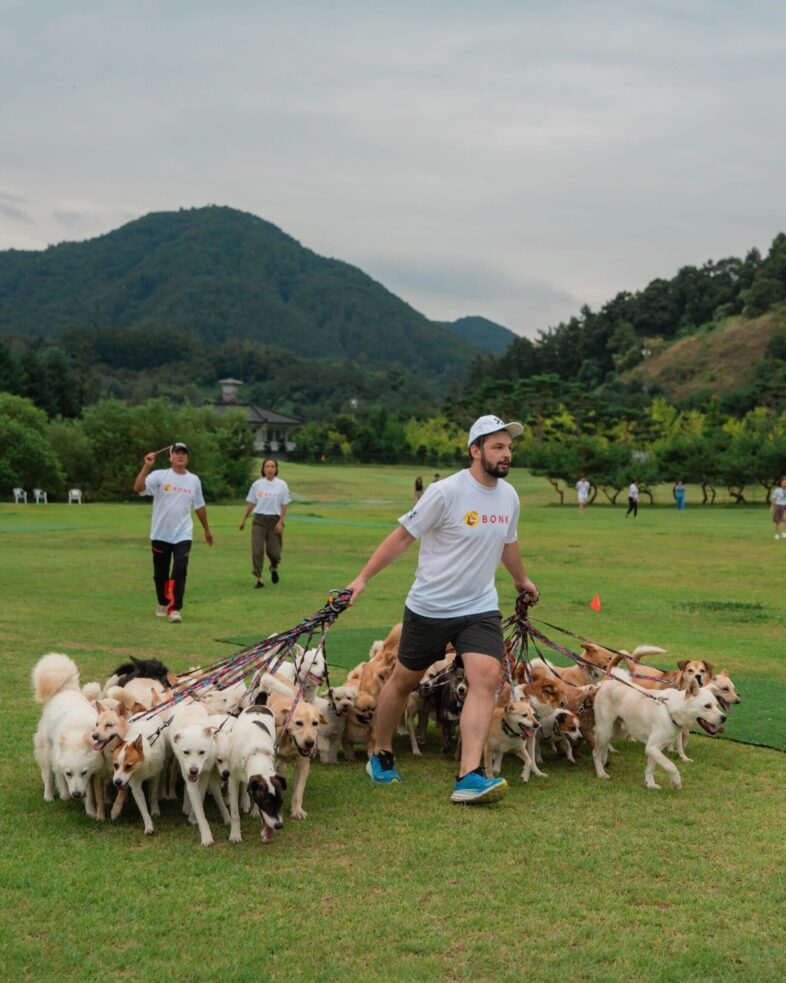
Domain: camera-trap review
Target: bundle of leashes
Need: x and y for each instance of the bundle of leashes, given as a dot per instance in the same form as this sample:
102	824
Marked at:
521	634
249	664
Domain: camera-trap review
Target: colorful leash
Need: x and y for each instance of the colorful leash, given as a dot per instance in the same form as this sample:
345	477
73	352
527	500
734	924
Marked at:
264	656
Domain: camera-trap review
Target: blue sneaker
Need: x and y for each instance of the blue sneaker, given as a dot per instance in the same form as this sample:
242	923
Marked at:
382	768
475	787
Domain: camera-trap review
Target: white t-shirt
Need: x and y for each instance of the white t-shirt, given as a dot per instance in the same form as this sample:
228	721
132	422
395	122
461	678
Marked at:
463	527
633	492
267	497
583	489
174	496
779	496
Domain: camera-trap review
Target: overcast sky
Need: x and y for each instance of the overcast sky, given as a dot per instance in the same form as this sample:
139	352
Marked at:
510	159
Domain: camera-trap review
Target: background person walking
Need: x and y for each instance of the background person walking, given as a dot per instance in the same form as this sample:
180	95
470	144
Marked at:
778	508
175	493
633	499
679	495
582	493
268	499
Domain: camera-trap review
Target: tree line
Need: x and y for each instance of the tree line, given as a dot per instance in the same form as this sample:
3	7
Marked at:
100	451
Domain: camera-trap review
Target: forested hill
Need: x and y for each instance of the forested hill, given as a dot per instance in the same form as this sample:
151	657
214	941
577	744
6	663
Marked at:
221	274
491	337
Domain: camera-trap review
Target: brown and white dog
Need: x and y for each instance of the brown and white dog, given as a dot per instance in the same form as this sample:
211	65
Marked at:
512	729
140	757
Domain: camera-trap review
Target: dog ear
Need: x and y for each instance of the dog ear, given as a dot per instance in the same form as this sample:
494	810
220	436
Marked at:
322	718
281	781
172	679
176	738
138	743
693	687
708	667
210	731
681	664
138	708
122	710
261	700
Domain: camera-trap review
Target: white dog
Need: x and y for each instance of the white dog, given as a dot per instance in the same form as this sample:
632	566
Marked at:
309	668
193	740
63	745
656	722
252	765
335	708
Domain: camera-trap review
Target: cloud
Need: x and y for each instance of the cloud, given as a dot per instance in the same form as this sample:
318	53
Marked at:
9	206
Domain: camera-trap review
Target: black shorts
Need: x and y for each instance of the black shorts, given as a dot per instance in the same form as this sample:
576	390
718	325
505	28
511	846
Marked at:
423	640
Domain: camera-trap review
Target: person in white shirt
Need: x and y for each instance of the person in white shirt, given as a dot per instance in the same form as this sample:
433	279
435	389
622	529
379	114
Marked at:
175	493
582	493
633	499
778	507
268	499
466	524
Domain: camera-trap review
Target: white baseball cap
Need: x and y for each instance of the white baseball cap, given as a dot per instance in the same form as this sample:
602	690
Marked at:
485	425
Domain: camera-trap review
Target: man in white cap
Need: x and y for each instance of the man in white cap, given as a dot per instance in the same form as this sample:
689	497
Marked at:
175	492
467	525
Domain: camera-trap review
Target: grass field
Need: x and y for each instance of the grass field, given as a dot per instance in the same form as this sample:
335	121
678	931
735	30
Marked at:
567	878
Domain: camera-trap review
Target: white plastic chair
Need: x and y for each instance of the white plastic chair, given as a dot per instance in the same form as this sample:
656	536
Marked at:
40	496
20	495
75	495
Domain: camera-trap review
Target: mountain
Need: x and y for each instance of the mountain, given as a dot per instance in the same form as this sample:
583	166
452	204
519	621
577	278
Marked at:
480	331
221	274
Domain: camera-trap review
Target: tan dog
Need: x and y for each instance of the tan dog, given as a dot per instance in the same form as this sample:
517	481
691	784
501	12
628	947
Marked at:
360	726
110	729
369	677
297	741
649	677
579	675
512	728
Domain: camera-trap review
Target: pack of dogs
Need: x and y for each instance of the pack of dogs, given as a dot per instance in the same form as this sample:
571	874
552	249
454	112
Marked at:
96	741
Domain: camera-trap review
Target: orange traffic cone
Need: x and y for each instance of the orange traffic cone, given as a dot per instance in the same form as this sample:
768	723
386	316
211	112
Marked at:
595	603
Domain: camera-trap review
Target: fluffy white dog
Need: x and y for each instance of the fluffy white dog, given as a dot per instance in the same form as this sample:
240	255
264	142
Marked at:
63	744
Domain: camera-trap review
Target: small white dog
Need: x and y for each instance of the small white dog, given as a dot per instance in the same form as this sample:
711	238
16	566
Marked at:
656	722
193	740
308	668
63	744
335	707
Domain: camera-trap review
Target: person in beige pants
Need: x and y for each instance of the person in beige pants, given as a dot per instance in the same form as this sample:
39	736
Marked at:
268	499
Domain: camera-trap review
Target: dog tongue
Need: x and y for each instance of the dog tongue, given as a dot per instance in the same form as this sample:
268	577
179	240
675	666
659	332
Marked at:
267	833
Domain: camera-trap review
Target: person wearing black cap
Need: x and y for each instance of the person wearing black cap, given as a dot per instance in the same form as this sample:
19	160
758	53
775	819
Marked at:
175	493
467	525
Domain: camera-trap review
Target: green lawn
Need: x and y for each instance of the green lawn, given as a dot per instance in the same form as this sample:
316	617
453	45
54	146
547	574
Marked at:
567	878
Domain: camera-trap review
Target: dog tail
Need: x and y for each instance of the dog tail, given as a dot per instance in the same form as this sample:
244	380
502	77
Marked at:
51	674
642	650
269	684
92	691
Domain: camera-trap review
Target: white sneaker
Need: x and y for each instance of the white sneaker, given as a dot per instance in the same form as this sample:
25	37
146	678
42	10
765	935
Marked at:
161	611
175	616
